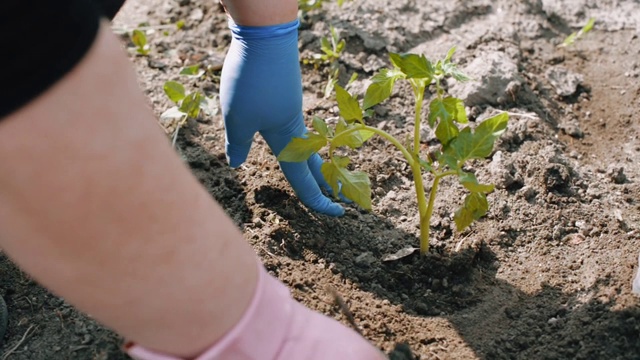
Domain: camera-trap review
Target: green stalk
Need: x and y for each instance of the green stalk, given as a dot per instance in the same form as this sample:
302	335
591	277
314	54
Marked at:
419	94
407	155
424	212
425	222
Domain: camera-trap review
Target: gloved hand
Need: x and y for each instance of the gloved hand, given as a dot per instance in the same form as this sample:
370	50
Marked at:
277	327
261	91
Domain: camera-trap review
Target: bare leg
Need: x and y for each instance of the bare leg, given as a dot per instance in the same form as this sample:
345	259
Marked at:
96	206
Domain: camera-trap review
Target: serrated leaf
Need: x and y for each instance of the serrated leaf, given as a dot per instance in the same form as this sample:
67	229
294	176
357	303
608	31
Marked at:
381	87
174	90
349	107
446	131
355	185
413	65
320	126
447	108
193	71
470	182
354	139
300	149
475	206
450	54
448	159
171	114
479	144
459	75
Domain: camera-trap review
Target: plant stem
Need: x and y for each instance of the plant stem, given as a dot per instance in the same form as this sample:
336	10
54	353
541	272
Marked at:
424	213
416	127
423	210
425	222
407	155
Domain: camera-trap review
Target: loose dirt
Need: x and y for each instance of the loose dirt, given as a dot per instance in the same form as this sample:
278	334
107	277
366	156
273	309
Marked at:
545	275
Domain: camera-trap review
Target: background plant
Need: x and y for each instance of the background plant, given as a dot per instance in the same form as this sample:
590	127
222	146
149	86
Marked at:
188	105
308	5
446	115
332	48
573	37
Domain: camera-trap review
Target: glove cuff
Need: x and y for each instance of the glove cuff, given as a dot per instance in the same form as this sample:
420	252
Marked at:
242	32
259	335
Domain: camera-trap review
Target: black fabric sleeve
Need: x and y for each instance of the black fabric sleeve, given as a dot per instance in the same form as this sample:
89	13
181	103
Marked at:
41	41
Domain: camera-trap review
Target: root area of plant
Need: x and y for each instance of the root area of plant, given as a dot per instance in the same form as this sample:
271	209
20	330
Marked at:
545	275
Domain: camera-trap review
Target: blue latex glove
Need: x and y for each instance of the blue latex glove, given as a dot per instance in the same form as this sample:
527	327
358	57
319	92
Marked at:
261	91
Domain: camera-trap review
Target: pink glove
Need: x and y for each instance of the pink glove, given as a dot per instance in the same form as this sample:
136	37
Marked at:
277	327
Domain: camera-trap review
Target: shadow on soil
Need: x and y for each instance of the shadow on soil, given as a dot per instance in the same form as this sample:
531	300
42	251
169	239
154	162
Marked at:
496	319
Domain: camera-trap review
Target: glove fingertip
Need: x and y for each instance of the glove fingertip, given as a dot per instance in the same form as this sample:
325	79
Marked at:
333	209
237	155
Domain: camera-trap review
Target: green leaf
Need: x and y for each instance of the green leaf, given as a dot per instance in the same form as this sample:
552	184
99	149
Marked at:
353	78
589	25
171	114
340	46
320	126
300	149
413	65
355	184
139	39
191	104
174	90
354	139
447	108
381	87
479	144
475	206
341	126
325	45
424	164
180	24
193	70
576	35
446	131
470	182
450	54
349	107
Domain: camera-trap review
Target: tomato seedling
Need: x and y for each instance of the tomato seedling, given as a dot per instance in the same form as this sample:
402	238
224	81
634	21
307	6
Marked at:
332	48
188	104
139	39
571	39
446	114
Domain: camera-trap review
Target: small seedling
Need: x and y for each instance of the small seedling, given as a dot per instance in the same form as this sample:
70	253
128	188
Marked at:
571	39
332	48
139	39
308	5
188	104
446	113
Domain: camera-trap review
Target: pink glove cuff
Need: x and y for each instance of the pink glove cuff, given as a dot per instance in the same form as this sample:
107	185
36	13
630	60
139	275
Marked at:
259	335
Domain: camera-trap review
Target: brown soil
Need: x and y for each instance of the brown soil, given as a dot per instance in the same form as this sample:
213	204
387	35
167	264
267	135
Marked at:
545	275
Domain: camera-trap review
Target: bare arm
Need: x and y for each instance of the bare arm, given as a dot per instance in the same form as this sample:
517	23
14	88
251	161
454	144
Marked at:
96	205
261	12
